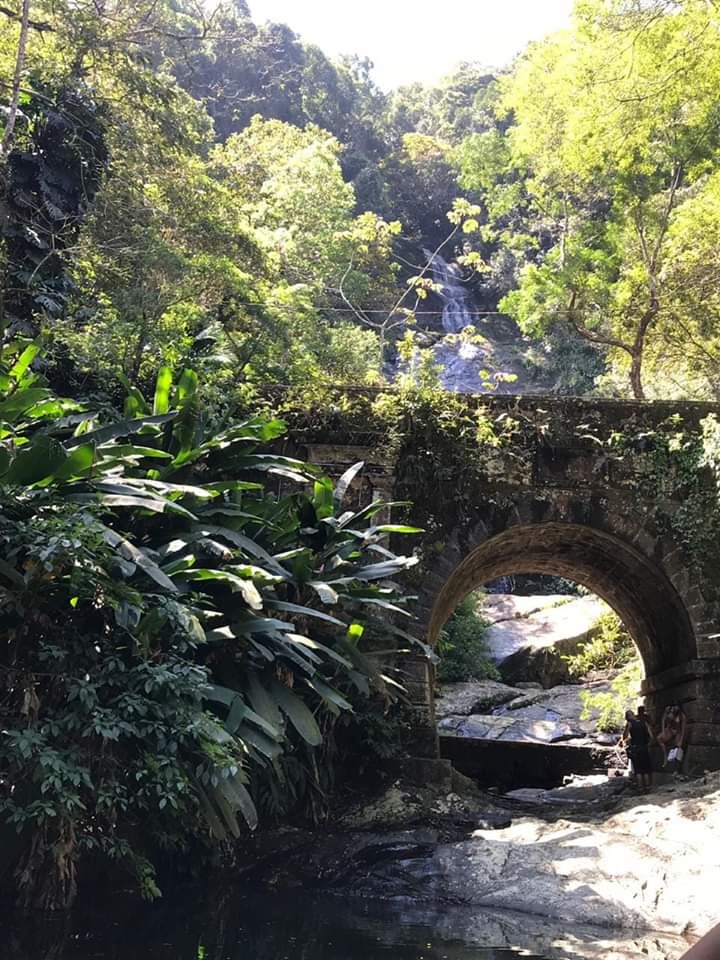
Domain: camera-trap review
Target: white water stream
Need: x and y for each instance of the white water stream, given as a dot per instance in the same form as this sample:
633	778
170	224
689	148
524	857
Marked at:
457	301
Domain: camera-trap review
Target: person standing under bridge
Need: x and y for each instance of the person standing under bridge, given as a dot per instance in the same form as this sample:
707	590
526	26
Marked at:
636	737
672	735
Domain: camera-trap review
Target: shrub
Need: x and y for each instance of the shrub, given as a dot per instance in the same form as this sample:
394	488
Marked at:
173	634
609	648
611	706
463	646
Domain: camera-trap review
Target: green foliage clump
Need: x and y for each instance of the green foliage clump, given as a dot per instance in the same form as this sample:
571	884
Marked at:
462	646
173	634
609	648
608	709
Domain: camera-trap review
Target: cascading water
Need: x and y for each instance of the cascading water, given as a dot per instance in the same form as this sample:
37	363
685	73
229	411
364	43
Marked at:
480	361
457	309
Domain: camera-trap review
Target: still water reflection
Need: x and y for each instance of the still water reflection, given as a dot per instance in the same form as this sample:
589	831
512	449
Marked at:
296	927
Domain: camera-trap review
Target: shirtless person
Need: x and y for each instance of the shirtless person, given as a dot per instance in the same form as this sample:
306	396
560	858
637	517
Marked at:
672	733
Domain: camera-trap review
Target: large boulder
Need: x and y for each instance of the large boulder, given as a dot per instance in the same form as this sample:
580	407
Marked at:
528	637
651	866
495	711
473	696
483	727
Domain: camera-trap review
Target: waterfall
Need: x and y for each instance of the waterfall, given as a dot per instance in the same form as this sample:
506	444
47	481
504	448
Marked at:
457	302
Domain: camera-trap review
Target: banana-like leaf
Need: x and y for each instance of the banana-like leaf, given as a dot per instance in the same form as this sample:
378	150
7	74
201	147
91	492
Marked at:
77	464
244	543
325	591
217	827
343	484
303	611
297	713
132	553
168	489
323	497
267	746
247	588
333	698
18	369
393	528
14	406
237	796
217	693
385	569
163	383
124	428
38	460
372	509
262	702
128	451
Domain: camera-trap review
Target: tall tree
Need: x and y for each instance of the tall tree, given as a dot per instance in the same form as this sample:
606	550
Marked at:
615	119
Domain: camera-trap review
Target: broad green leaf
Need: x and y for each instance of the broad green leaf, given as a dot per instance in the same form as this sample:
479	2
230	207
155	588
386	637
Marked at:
130	552
12	408
124	428
247	588
78	463
267	746
235	793
40	459
297	713
324	591
343	484
303	611
323	497
395	528
187	386
332	697
161	402
262	702
22	363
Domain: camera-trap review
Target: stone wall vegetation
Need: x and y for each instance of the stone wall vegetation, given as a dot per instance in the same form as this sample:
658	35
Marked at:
620	496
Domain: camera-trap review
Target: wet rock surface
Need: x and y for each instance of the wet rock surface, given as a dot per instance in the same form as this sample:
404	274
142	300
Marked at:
508	713
646	864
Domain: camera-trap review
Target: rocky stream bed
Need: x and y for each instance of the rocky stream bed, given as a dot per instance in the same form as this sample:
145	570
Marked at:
583	868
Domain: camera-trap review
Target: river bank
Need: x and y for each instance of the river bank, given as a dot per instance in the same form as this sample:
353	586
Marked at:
640	864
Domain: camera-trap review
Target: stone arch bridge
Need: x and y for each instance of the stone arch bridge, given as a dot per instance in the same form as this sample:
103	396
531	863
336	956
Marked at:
611	494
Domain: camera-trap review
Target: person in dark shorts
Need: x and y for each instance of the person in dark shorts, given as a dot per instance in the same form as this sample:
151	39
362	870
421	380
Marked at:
637	737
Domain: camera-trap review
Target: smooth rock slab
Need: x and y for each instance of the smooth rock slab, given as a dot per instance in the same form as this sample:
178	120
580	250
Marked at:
473	696
481	726
653	866
498	607
532	647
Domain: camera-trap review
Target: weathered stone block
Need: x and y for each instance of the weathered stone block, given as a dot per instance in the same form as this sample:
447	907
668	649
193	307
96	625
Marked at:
704	734
701	758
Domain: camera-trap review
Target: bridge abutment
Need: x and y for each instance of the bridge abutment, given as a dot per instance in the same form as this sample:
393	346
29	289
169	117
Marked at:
694	685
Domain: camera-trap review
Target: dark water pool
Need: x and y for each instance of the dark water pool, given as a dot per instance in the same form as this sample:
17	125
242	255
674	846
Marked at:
240	927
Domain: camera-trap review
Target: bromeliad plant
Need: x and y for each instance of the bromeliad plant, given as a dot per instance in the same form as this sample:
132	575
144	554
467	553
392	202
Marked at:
169	626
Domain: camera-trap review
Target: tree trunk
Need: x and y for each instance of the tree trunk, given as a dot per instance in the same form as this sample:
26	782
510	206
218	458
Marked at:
7	140
636	377
638	348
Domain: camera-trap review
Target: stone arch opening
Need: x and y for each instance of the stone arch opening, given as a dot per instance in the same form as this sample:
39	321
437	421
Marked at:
635	587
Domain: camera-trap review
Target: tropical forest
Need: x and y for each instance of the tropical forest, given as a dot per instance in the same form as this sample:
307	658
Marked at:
359	481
